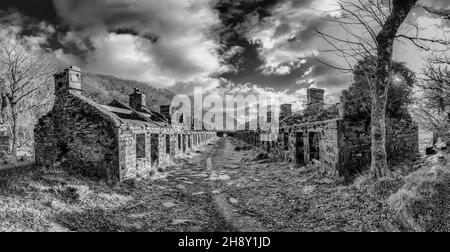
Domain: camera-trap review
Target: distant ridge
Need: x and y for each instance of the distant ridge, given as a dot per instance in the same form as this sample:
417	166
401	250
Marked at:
104	89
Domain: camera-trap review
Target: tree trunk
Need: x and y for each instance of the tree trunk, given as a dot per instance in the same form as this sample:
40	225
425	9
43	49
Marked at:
15	140
3	106
379	155
385	41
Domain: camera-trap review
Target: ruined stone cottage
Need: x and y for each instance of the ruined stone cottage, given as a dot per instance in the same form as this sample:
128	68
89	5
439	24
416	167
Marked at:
322	136
113	142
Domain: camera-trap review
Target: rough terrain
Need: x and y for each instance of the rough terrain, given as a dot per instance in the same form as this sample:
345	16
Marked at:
216	188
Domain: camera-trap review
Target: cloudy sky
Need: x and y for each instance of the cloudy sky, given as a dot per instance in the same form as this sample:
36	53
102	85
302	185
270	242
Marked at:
247	46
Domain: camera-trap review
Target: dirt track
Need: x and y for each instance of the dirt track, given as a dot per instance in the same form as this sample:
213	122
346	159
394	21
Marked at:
216	188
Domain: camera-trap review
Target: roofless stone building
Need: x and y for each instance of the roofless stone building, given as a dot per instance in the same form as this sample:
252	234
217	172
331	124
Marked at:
340	147
113	142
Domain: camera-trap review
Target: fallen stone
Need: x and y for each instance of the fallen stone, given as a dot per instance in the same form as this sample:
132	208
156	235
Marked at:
317	162
198	193
309	189
169	205
441	145
215	177
203	175
232	167
234	201
180	221
216	192
181	187
325	181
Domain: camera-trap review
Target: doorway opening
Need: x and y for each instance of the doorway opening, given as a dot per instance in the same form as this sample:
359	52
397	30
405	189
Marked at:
314	149
154	140
300	148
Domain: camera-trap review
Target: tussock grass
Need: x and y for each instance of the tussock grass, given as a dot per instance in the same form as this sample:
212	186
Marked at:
423	202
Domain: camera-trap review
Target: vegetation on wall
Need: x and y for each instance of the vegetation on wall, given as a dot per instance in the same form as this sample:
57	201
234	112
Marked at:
357	99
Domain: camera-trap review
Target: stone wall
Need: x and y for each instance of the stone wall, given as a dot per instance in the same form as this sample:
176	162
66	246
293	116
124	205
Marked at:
344	147
78	137
130	165
4	146
402	141
5	143
354	147
293	144
85	138
402	144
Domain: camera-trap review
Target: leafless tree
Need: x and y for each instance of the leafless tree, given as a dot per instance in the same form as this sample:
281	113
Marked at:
433	99
369	28
24	72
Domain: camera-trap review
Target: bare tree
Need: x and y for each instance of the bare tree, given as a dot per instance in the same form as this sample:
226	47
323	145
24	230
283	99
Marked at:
433	98
369	28
24	72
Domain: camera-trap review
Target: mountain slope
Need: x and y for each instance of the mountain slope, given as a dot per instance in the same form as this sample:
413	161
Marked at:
104	88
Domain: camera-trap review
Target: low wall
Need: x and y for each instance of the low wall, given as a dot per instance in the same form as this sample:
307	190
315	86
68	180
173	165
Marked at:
402	144
293	144
344	146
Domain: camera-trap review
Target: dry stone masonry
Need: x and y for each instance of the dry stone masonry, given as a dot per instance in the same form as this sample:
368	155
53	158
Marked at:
113	142
5	142
341	148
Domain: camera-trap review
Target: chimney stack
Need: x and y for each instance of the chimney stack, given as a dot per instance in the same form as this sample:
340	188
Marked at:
138	100
285	111
316	100
68	81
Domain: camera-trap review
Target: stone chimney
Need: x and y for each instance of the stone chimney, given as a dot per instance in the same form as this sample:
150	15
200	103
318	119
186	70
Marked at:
68	81
315	100
285	111
166	111
138	100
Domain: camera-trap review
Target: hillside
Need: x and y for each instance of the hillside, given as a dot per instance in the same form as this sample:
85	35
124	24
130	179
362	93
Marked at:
104	88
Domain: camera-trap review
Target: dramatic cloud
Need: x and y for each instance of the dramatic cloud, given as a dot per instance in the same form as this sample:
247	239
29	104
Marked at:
263	44
162	42
13	25
286	36
277	41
